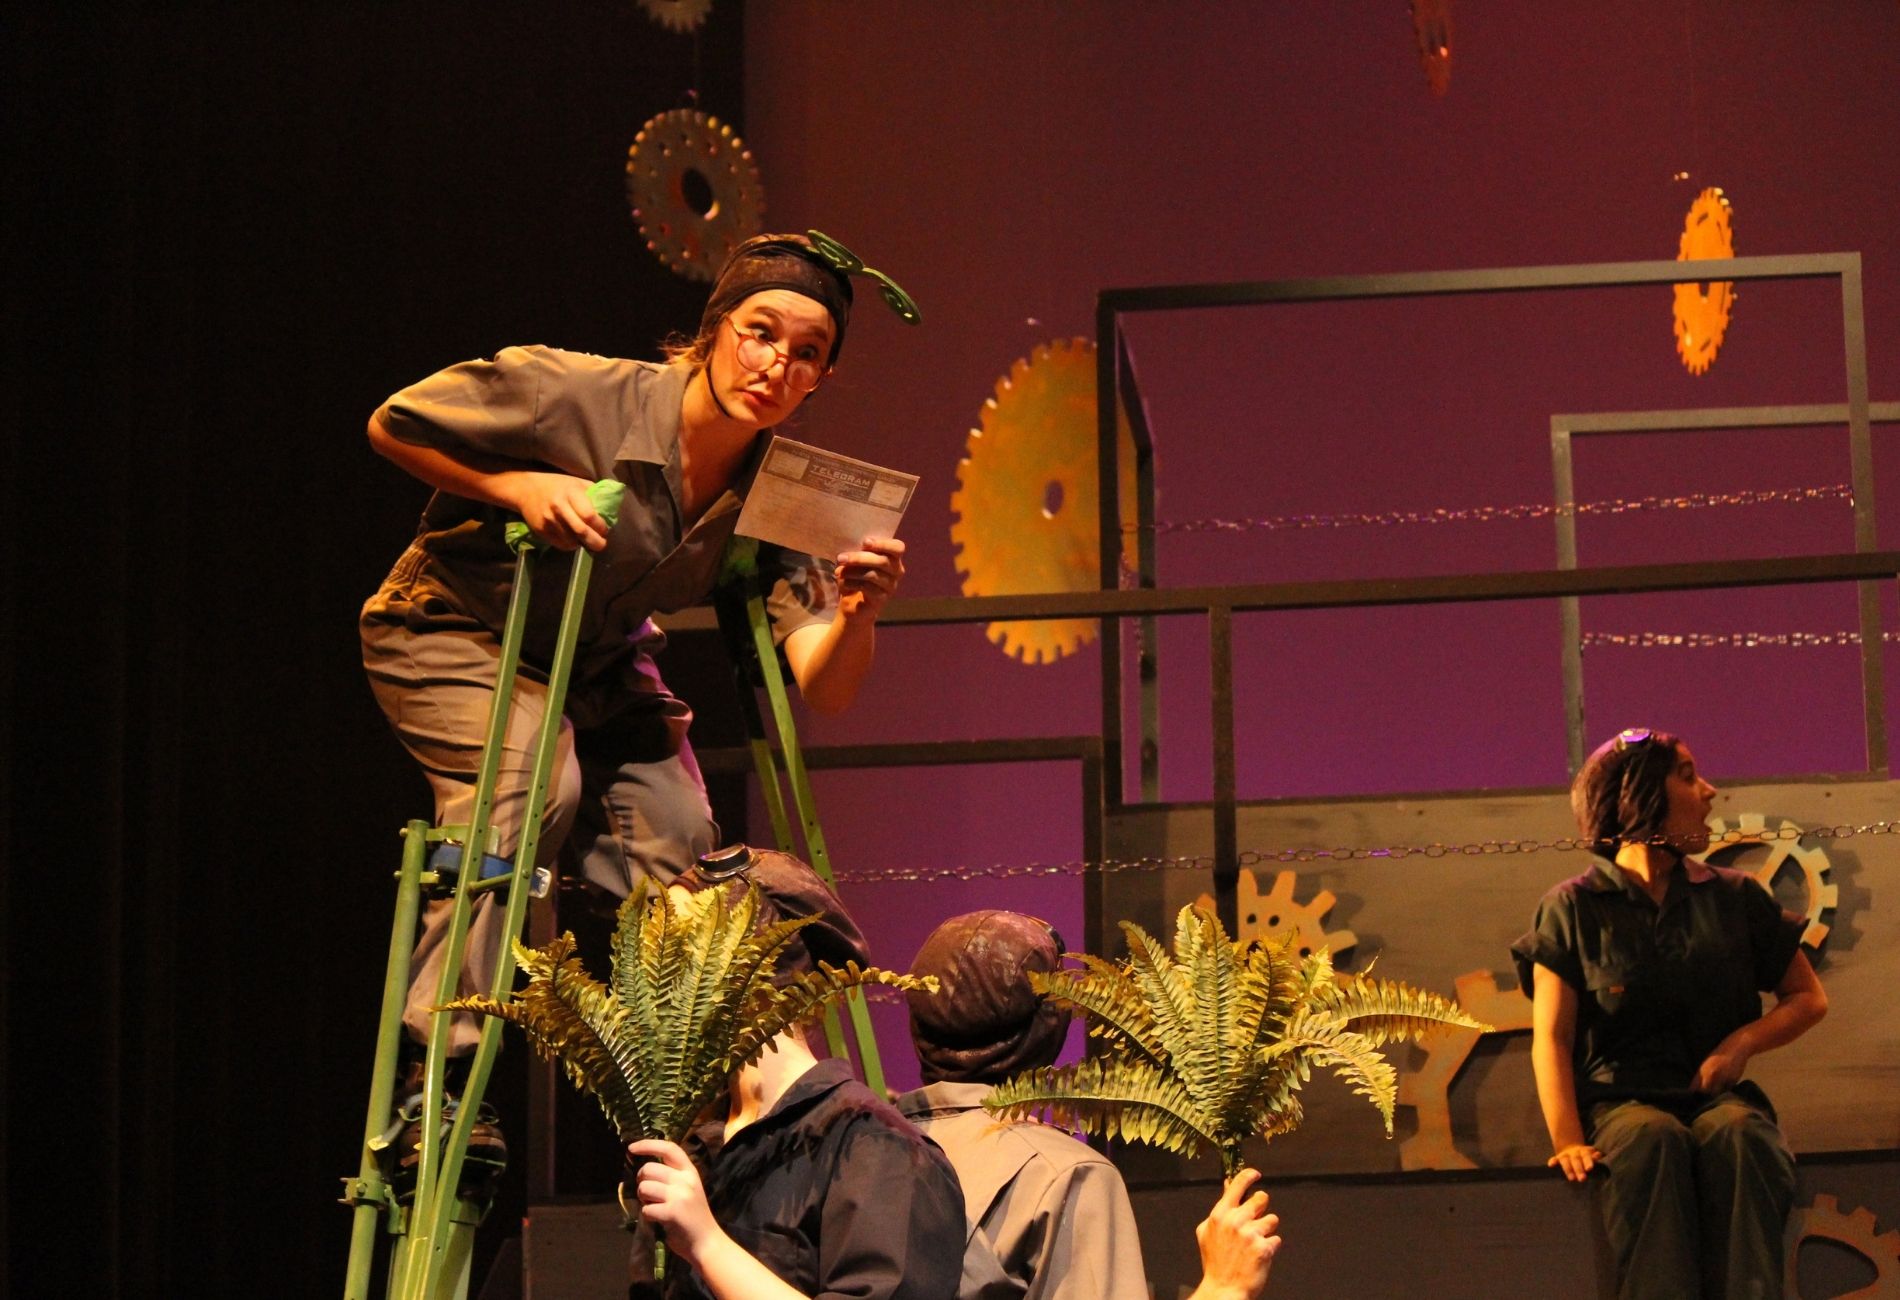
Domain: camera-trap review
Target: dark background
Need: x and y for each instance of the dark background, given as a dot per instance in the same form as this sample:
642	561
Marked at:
230	232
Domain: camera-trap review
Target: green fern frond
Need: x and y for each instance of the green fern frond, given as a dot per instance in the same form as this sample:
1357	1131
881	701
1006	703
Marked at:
689	992
1134	1100
1385	1011
1165	990
1210	1045
1103	993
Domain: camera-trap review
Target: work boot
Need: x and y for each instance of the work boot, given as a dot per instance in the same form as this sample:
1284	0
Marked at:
487	1153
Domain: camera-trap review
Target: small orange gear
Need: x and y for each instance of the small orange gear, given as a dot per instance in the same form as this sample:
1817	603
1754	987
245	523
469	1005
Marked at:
1702	316
1859	1232
1028	518
1271	916
1811	860
694	190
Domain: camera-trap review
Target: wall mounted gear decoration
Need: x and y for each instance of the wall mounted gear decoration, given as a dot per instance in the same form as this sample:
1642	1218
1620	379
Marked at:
694	190
678	15
1859	1232
1701	315
1274	914
1028	518
1431	27
1426	1088
1751	828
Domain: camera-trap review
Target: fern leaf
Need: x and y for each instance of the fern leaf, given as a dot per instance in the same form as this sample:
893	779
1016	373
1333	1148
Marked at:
1134	1100
1103	992
1385	1011
1164	989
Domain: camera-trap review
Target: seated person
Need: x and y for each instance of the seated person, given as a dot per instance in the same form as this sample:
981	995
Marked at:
809	1185
1646	974
1046	1215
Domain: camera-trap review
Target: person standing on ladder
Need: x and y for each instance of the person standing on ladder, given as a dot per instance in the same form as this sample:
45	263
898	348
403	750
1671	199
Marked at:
525	434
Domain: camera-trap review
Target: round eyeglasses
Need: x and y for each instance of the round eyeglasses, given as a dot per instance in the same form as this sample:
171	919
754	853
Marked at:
802	374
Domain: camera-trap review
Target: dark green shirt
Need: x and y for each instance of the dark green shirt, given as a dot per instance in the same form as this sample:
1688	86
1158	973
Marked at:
1657	987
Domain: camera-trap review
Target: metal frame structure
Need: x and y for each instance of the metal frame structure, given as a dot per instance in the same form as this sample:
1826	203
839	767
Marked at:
1115	378
1564	429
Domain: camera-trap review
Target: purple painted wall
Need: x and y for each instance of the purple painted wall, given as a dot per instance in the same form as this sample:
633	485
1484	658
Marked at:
1006	161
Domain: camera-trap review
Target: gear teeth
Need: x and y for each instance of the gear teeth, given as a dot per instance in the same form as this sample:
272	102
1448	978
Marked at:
1784	847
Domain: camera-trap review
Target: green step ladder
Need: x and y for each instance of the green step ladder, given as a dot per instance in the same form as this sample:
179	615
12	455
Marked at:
431	1232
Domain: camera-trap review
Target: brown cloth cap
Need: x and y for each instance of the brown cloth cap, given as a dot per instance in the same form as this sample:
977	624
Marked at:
788	888
985	1023
781	262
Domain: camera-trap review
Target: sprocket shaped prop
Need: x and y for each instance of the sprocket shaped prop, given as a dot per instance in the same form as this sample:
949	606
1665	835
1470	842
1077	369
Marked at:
1270	916
1028	518
1701	317
1784	847
1426	1088
1858	1232
695	191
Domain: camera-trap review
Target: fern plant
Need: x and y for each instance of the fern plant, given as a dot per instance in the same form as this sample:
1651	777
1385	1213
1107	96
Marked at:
691	999
1210	1045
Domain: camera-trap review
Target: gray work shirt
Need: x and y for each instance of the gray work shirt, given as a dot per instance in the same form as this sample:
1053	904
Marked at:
592	417
1048	1217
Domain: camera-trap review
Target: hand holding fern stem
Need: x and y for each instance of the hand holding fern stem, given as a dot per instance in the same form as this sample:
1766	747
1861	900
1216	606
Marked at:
1209	1046
1238	1240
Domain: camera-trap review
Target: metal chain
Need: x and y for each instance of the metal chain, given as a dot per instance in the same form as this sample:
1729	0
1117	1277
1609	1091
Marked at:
1492	514
1737	640
1263	857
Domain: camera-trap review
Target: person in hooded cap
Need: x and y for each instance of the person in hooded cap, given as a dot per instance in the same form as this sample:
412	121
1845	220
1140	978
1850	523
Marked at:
526	434
1046	1217
809	1184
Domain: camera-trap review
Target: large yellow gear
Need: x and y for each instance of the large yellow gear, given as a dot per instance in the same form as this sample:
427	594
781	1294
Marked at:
1028	516
1702	318
1859	1232
1784	847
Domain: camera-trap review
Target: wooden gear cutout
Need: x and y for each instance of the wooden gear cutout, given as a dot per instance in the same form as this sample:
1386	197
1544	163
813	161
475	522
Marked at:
1784	847
1269	917
1701	318
1858	1232
685	147
1427	1088
1028	515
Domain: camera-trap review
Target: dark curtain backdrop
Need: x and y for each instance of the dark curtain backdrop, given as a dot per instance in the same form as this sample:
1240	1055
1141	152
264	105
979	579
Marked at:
231	231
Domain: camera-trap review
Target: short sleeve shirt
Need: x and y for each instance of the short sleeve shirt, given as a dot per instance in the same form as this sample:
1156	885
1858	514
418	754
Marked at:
835	1193
1658	988
593	417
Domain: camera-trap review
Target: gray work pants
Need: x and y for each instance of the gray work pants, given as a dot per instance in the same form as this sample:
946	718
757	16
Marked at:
1697	1199
625	800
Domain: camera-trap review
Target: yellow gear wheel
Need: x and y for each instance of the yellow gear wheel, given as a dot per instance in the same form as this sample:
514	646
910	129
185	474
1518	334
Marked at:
1028	519
1702	316
1784	847
1859	1232
1272	915
694	190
